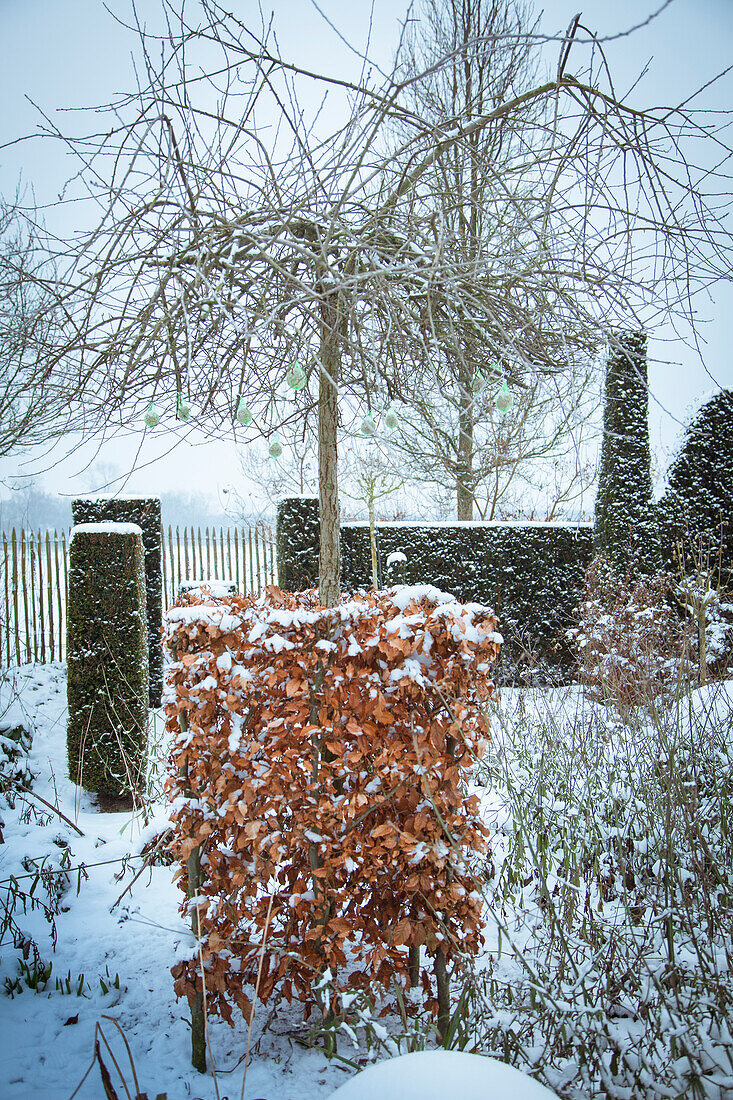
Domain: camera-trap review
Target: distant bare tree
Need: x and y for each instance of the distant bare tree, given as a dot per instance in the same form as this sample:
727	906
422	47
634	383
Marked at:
237	234
32	381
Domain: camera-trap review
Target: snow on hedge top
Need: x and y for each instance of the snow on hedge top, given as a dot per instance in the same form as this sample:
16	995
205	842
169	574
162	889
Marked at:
442	1075
265	622
106	529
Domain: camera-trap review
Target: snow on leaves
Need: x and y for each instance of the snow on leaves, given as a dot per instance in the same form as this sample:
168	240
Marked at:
322	777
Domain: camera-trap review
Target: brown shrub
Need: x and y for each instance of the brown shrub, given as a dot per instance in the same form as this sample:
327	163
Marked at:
321	774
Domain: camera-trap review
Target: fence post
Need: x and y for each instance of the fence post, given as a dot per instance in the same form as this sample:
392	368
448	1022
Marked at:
61	604
49	593
6	572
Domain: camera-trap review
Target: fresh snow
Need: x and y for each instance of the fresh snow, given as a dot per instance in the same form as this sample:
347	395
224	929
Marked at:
105	529
442	1075
110	925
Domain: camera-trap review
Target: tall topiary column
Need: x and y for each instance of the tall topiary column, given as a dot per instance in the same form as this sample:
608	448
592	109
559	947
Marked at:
107	660
298	540
697	507
625	526
146	513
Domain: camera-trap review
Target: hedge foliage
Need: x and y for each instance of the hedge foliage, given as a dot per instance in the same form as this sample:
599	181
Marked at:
320	770
297	539
146	513
531	574
107	659
697	507
625	522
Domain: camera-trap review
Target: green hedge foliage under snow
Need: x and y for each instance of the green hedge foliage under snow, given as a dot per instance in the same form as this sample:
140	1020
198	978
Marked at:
146	513
107	659
625	523
530	573
696	511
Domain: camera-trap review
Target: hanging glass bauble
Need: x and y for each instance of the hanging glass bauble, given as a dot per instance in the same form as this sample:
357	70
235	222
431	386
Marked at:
296	377
152	416
503	400
391	419
276	448
244	415
479	383
368	426
183	409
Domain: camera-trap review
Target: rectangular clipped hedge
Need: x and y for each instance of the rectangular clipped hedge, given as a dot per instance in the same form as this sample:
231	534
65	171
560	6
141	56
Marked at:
146	513
530	573
107	660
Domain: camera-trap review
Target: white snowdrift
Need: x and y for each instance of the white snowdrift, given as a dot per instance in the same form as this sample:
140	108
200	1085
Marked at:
442	1075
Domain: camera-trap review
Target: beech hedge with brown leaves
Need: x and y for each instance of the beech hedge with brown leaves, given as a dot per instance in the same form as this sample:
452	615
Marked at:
318	765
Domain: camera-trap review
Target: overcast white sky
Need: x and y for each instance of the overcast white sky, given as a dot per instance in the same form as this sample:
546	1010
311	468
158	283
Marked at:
72	53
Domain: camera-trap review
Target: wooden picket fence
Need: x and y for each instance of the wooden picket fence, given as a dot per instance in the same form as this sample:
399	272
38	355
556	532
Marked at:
34	569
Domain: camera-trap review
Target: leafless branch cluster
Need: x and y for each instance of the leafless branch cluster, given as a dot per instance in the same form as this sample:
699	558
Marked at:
251	212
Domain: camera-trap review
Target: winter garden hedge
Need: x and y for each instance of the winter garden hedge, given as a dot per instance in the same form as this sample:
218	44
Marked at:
146	513
696	511
626	527
107	659
531	574
317	774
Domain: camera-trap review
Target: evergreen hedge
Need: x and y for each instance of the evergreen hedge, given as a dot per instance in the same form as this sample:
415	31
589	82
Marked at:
531	574
107	659
297	541
697	507
625	521
146	513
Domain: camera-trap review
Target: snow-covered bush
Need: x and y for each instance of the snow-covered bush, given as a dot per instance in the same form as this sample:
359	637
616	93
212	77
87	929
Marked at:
146	513
625	524
711	617
612	873
632	647
107	659
319	772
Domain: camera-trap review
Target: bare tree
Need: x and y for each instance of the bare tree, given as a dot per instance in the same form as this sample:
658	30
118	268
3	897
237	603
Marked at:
237	235
32	382
534	460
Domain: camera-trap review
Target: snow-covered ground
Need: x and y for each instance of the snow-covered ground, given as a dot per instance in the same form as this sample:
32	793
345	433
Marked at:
113	941
47	1039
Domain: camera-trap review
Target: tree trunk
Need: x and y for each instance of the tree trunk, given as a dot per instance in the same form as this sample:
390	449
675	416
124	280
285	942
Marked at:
373	543
329	579
414	963
195	880
443	990
464	495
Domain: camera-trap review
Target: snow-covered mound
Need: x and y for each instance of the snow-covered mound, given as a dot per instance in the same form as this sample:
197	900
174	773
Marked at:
442	1075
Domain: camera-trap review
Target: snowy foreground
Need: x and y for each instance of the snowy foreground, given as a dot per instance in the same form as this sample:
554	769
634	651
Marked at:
115	944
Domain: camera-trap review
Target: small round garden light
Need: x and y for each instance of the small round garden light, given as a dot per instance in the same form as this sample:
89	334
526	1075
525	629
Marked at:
296	377
504	400
276	448
152	416
368	426
183	409
244	414
391	419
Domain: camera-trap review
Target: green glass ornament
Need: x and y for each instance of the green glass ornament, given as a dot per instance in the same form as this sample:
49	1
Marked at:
368	426
244	415
276	448
183	409
296	377
391	419
503	400
152	416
